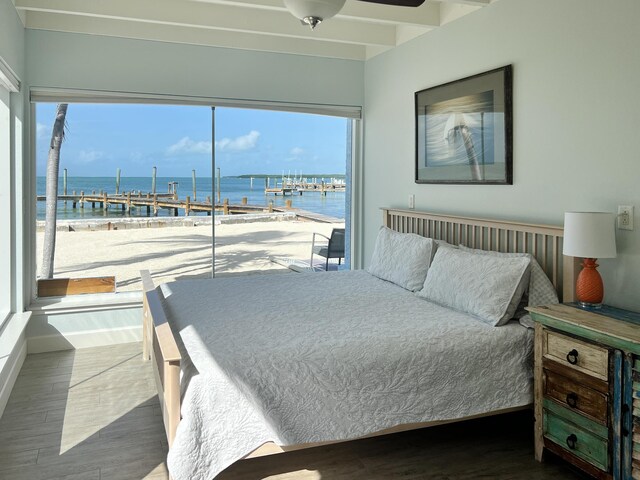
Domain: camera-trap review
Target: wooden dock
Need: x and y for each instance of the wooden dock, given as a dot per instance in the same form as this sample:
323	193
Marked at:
298	188
280	191
154	202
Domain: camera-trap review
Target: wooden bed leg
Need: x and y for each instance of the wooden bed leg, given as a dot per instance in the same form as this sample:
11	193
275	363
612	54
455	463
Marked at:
172	399
537	392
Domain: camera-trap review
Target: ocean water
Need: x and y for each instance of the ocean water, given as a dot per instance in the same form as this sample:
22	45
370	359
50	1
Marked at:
233	188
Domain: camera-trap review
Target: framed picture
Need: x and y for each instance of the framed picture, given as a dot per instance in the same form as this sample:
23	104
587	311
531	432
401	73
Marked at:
464	130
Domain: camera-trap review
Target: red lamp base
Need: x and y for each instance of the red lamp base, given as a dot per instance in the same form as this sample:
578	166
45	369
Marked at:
589	287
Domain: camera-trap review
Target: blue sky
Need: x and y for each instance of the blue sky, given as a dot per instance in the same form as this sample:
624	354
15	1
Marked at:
177	139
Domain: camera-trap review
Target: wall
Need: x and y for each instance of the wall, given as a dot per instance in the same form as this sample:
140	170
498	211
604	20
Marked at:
76	61
11	38
104	63
576	119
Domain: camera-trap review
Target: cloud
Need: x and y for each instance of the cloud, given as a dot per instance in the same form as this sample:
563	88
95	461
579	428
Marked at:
89	156
296	154
185	146
42	130
243	142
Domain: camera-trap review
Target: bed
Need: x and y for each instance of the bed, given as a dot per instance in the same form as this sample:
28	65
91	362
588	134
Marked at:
278	368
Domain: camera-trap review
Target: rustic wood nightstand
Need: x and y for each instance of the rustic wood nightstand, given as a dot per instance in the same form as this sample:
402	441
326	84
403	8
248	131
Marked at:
587	388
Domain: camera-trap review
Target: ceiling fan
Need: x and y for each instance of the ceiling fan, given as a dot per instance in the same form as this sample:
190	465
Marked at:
312	12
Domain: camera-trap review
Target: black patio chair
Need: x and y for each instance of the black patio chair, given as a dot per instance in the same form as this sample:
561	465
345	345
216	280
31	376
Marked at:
334	247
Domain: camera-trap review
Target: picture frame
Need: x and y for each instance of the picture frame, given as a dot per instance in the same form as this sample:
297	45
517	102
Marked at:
464	132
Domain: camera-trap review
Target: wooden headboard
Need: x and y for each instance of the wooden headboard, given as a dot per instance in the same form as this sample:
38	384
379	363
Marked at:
544	242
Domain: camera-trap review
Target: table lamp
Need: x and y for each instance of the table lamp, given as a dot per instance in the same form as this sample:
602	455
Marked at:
589	235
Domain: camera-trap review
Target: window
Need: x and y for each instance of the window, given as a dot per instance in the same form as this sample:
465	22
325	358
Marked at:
128	176
137	183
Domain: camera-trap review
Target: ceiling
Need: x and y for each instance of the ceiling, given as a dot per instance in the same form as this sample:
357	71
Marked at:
360	31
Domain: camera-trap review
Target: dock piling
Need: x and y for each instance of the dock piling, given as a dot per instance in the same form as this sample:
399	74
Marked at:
154	172
117	181
193	182
64	184
187	205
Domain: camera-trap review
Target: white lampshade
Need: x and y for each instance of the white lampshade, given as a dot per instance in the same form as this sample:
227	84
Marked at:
589	235
321	9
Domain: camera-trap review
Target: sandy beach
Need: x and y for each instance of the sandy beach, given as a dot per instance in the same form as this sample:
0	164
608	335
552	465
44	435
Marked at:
179	252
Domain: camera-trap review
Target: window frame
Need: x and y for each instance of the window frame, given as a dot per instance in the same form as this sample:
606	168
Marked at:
9	85
6	270
58	95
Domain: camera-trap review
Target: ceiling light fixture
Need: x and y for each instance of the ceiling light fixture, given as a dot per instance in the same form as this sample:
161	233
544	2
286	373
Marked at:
312	12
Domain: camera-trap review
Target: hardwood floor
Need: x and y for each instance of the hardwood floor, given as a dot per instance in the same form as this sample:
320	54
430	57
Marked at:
83	414
92	414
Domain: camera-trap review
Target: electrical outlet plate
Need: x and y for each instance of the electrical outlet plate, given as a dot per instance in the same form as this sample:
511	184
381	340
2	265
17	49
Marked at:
625	217
412	201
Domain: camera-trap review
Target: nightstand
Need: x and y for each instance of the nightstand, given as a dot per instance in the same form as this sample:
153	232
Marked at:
587	405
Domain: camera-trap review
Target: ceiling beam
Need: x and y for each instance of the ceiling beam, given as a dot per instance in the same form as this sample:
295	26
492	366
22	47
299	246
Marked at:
218	17
452	11
194	36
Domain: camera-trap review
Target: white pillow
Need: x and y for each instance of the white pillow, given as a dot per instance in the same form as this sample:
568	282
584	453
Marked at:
440	244
401	258
481	285
519	299
540	289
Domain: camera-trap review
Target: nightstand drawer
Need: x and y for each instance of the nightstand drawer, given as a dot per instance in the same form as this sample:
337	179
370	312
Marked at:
576	397
585	357
579	442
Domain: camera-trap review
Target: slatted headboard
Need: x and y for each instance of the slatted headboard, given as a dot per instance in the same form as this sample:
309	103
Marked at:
544	242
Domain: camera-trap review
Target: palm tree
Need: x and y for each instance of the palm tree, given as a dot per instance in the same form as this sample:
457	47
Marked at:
53	168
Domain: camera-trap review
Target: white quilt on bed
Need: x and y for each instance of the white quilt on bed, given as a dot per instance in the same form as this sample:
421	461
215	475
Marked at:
328	356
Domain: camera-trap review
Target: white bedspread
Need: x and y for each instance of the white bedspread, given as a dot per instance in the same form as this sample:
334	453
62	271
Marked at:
328	356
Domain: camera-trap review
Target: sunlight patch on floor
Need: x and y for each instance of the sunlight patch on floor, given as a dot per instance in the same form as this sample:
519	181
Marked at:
97	401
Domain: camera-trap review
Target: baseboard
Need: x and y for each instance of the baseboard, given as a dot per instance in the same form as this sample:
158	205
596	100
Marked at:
14	365
93	338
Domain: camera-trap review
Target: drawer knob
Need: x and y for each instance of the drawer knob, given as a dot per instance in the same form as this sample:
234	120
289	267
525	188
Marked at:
572	357
572	400
571	441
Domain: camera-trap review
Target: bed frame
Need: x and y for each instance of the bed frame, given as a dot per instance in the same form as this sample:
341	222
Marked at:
541	241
